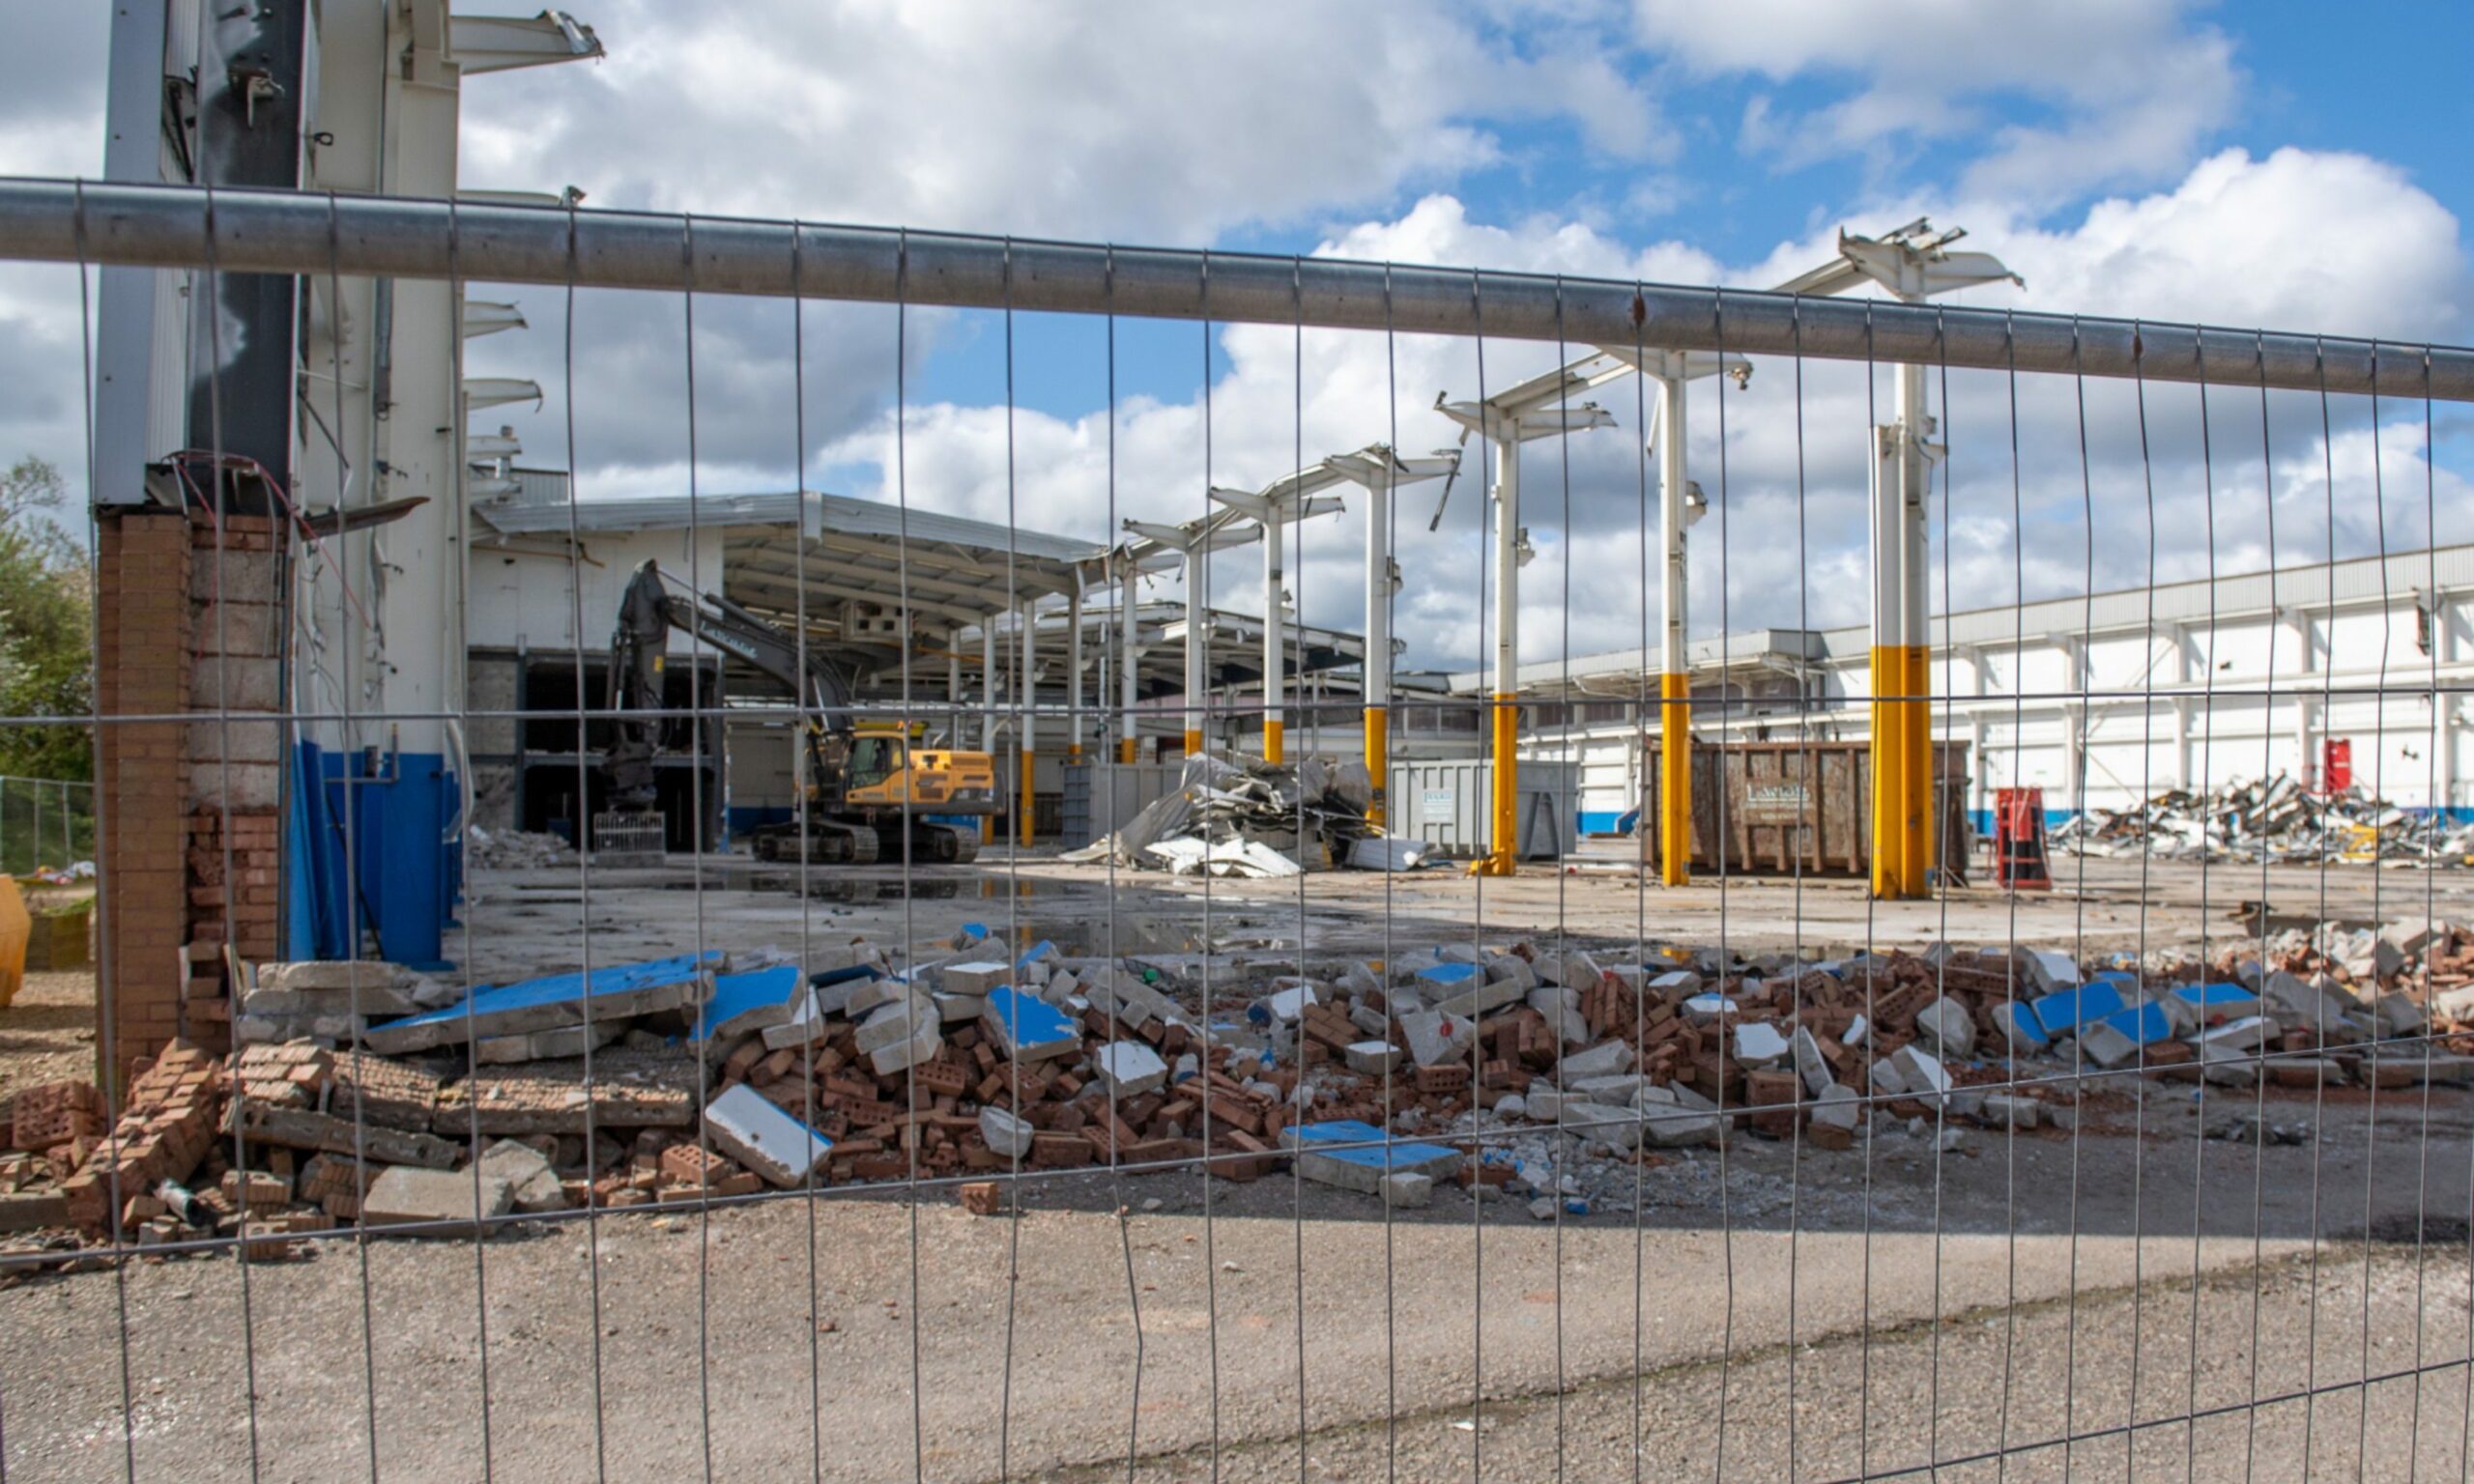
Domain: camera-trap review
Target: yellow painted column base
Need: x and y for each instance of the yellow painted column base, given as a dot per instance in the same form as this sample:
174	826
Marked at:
1022	813
1128	751
1502	858
1378	761
1902	777
1194	742
1675	779
1273	744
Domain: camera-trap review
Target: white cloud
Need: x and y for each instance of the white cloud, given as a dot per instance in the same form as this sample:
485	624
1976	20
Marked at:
1154	122
2226	243
2134	87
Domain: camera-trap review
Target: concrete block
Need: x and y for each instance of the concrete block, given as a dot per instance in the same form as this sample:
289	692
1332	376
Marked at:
1028	1029
2115	1040
977	976
1837	1106
566	1040
2019	1027
1481	999
904	1054
1435	1037
1599	1061
533	1185
1560	1008
368	976
1759	1043
405	1195
1440	980
1408	1190
617	992
1885	1078
807	1025
2062	1012
1672	1129
1512	968
1284	1006
962	1009
1950	1026
890	1024
1811	1065
1702	1009
1372	1058
1622	1088
1129	1069
1006	1134
2002	1110
751	1129
2212	1003
864	997
2244	1035
1605	1122
1921	1073
1369	1158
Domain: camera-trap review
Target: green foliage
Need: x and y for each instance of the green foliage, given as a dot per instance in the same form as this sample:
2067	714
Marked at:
46	623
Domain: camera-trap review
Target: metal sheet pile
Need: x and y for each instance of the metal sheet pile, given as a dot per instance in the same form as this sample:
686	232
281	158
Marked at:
2275	818
1247	817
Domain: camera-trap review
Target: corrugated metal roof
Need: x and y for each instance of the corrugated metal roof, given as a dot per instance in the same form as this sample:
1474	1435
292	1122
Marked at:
841	514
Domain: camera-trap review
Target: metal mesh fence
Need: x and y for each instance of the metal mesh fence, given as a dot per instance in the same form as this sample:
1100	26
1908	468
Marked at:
437	1135
45	823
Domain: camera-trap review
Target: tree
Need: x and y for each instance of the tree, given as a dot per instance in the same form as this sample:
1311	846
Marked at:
47	627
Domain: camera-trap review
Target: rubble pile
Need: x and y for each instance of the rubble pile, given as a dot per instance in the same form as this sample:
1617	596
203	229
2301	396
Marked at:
1516	1071
1246	817
2276	819
515	850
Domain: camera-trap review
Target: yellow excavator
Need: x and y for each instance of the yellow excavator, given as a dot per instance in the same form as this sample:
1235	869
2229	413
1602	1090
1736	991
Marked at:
869	786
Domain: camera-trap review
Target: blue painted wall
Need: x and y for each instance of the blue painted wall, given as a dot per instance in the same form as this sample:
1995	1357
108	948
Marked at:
393	822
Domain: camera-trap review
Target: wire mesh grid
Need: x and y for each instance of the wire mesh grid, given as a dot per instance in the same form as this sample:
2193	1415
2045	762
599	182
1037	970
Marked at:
1044	1167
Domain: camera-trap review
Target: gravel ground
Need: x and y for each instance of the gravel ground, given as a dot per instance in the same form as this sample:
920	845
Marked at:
47	1031
826	1310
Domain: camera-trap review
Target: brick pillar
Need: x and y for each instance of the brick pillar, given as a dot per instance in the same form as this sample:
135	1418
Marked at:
235	795
144	628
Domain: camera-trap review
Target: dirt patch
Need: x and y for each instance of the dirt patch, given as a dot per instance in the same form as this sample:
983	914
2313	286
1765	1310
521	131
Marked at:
47	1033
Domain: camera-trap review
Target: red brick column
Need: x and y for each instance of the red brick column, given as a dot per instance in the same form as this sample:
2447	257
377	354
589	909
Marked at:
142	615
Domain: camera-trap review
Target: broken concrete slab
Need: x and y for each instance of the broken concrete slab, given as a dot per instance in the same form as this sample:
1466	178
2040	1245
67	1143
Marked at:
1759	1043
1026	1028
1921	1073
2116	1038
325	1133
744	1004
1130	1068
1950	1025
2217	1002
1599	1061
545	1045
2019	1029
889	1025
445	1203
753	1130
612	993
533	1186
1435	1037
2062	1012
1356	1156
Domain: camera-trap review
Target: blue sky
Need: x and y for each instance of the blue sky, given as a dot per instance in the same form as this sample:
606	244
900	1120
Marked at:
2263	163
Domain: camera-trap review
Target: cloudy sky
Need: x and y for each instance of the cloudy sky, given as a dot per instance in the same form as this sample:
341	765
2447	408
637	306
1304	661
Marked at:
2254	165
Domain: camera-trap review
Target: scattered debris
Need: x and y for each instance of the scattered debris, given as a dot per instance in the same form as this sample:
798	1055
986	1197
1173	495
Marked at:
2275	819
1247	817
1506	1072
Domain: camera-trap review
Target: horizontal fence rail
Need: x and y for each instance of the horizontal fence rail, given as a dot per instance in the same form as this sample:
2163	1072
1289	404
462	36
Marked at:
290	232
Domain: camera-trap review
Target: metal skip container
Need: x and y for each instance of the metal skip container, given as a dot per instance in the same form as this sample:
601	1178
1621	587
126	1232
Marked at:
1800	805
1447	806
